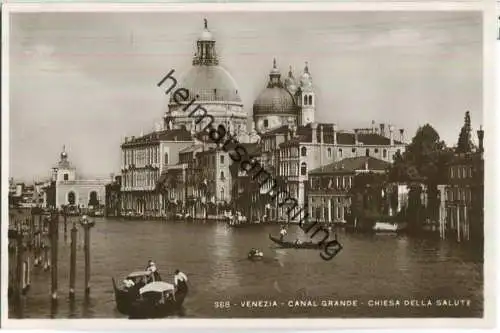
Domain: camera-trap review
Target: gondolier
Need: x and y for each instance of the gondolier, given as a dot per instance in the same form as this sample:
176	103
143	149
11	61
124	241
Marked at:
283	232
180	281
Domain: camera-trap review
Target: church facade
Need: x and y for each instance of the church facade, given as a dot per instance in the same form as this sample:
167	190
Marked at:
69	190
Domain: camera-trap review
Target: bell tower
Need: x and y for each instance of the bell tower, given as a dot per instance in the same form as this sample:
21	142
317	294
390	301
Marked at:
64	171
306	99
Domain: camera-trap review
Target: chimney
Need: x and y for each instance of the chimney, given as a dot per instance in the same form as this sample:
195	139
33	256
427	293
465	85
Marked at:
382	129
480	136
356	142
334	127
321	138
373	126
402	135
126	139
314	127
391	134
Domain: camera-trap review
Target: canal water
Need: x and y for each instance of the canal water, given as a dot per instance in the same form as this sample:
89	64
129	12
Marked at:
429	278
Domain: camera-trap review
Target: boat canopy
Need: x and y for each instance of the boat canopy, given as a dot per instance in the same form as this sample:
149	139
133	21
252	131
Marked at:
138	274
157	287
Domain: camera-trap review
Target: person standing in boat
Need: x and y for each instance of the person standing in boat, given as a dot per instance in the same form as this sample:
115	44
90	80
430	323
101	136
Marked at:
283	233
180	281
152	268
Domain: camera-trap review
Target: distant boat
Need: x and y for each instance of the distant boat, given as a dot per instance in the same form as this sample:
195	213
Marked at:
295	245
388	227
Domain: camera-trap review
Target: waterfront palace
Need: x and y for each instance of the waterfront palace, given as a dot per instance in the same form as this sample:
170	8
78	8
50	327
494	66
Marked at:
157	168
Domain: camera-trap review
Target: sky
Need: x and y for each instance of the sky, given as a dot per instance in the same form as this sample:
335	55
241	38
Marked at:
87	80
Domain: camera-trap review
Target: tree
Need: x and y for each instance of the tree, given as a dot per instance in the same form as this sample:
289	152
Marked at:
465	144
425	161
368	201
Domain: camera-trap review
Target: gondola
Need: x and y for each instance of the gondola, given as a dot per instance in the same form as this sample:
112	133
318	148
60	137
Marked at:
255	254
157	300
294	245
153	299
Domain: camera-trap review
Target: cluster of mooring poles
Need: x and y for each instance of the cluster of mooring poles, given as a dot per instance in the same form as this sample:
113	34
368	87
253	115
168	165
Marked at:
30	240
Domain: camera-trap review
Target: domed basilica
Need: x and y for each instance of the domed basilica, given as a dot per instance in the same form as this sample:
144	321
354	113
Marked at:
284	103
162	171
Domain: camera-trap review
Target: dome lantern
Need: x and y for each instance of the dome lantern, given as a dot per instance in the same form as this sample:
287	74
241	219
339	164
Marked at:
205	54
274	76
290	83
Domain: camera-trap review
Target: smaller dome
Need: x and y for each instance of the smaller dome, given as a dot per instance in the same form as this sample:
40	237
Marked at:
275	100
290	83
305	78
64	155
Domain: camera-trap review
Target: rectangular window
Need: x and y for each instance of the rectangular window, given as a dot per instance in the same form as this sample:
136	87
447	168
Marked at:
221	159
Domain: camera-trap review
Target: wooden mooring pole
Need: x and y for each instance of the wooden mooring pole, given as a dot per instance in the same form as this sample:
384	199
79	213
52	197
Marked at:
72	272
54	228
19	265
87	259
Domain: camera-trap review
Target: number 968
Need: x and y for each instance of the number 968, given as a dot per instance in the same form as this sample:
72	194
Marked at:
222	305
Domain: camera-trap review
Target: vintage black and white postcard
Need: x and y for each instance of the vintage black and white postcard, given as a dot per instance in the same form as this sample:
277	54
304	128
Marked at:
319	164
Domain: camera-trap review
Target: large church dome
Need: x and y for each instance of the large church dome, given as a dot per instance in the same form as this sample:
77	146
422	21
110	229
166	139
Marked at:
275	99
210	83
206	80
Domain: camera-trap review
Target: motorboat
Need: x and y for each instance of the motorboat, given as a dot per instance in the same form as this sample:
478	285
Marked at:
157	299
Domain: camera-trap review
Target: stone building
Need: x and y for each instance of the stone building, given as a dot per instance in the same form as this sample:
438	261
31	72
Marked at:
328	187
144	159
292	151
113	198
464	196
69	190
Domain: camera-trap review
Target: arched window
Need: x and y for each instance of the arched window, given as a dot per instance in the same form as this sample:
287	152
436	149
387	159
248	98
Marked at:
310	100
340	152
93	201
329	150
303	169
222	193
166	158
222	175
367	152
305	100
71	198
384	153
66	176
303	151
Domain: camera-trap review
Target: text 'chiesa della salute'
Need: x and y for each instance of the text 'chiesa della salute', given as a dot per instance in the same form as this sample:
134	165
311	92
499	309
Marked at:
174	170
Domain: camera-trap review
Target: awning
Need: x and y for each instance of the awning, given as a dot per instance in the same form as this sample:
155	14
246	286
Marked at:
157	286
